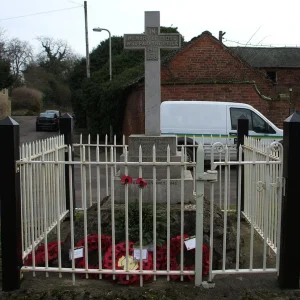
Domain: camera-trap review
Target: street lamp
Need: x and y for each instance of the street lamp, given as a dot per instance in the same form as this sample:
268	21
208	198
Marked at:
99	30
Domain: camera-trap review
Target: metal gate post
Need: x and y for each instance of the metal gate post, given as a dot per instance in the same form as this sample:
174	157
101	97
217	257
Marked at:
10	198
66	128
289	263
201	176
199	214
242	131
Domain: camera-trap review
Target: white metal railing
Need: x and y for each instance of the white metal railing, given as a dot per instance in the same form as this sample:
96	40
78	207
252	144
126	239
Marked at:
262	202
263	188
98	167
105	147
190	152
43	201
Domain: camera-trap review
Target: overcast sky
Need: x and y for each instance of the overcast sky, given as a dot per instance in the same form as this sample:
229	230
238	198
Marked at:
273	23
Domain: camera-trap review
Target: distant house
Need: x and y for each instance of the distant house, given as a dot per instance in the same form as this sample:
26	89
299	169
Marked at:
5	107
206	69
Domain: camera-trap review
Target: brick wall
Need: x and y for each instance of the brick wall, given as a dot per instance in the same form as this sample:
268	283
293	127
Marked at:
288	77
134	118
206	59
207	70
244	93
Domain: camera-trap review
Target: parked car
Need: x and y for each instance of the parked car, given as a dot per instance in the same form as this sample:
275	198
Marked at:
57	112
47	121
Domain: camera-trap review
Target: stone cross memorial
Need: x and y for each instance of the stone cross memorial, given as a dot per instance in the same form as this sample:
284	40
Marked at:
152	41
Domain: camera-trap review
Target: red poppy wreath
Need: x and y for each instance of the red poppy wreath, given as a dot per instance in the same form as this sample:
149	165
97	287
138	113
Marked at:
120	259
175	254
40	255
93	241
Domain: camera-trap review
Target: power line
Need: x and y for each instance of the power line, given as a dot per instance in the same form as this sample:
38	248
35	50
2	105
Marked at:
259	45
253	35
40	13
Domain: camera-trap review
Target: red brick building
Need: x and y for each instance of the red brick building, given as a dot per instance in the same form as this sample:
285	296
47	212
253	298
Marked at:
205	69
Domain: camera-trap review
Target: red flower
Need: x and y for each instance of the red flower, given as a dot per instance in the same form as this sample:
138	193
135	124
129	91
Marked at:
92	241
40	255
175	247
205	261
190	268
126	179
141	182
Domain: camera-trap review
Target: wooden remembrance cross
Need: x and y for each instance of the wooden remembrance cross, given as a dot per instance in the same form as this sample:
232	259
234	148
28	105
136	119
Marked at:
152	41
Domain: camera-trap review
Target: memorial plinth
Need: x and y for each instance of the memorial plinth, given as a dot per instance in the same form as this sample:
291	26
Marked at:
176	171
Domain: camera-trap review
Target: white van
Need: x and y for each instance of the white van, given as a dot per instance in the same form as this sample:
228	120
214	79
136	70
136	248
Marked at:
209	122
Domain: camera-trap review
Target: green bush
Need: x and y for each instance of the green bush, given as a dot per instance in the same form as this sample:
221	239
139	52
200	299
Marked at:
105	103
147	227
26	98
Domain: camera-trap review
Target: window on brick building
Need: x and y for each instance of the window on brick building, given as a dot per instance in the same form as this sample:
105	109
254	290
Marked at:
272	75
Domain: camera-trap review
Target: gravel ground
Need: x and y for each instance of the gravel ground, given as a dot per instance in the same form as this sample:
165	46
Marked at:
245	287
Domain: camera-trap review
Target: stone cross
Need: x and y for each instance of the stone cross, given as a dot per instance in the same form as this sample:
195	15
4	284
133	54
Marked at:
152	41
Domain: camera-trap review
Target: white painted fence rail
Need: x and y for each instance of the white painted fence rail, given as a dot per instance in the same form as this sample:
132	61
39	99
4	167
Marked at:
42	190
263	189
263	185
44	204
105	147
112	164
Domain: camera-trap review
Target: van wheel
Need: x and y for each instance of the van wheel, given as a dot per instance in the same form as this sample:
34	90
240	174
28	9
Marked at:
189	154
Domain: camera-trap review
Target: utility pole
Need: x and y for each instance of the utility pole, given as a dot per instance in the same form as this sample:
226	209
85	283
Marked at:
221	34
88	74
87	42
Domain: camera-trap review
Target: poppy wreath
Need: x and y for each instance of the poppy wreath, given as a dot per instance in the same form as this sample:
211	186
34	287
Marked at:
40	255
92	241
175	244
120	259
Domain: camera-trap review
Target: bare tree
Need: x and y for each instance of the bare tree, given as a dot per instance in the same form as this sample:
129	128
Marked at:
20	54
2	43
54	49
56	55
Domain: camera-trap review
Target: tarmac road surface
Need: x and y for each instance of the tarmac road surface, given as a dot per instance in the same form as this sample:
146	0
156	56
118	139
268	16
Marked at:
27	130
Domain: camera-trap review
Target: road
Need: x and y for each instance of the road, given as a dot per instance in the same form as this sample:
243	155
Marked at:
28	134
27	130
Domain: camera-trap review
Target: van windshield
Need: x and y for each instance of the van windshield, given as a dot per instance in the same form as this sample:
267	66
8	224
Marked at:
256	123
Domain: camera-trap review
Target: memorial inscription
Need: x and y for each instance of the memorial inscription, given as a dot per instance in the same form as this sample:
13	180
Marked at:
152	41
161	144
